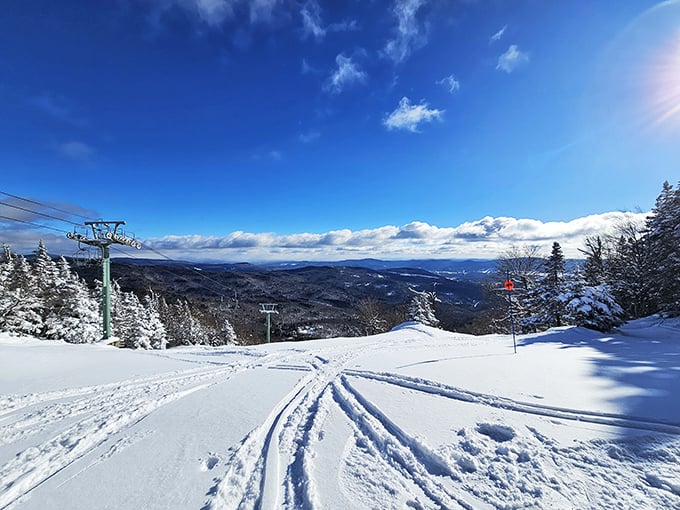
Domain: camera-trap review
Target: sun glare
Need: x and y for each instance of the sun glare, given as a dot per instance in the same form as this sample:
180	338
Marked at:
666	84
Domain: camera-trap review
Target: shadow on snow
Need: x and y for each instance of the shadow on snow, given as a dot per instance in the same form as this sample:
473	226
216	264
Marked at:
643	355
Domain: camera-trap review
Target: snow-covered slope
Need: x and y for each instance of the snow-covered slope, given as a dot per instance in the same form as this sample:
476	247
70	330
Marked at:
415	418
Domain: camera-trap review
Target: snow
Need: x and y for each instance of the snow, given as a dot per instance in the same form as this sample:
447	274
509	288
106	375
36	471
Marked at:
414	418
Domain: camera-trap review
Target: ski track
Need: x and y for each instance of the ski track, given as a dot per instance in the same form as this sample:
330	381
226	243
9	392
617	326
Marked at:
410	458
99	413
271	466
442	390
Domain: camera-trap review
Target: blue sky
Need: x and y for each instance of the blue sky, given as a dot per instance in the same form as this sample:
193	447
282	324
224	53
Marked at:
311	129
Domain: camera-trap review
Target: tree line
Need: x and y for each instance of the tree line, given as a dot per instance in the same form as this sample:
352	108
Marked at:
45	298
629	273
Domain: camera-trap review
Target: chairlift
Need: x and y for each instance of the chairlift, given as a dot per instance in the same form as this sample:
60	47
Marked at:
84	257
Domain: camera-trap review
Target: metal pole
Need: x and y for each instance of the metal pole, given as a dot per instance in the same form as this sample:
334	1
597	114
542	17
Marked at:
268	328
512	322
106	291
509	286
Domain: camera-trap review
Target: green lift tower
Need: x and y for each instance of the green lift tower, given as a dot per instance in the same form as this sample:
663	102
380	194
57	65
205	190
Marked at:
104	234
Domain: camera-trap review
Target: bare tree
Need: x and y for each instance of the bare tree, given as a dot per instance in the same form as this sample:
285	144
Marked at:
372	316
523	264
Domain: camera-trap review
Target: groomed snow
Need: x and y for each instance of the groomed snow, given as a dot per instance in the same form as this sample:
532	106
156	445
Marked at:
414	418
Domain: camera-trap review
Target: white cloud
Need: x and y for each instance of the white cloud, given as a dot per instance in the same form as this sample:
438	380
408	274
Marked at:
408	116
311	20
306	68
262	10
59	108
497	36
215	12
309	136
346	74
349	25
75	150
512	58
450	82
487	237
409	33
484	238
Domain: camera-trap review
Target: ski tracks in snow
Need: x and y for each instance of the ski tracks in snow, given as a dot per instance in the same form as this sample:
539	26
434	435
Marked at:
70	424
442	390
273	467
276	465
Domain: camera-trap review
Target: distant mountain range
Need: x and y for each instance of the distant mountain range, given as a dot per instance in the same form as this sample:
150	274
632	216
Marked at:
470	269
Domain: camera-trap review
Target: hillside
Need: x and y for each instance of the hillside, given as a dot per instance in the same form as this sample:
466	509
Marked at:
414	418
313	301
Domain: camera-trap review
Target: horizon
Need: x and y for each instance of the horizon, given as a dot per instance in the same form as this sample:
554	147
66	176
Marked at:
281	130
486	239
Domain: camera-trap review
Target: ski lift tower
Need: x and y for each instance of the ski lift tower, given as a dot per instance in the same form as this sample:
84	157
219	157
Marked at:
104	234
269	309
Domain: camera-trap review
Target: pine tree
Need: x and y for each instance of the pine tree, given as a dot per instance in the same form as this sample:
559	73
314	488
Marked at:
628	270
228	333
46	281
594	266
74	314
136	325
421	309
157	334
20	305
662	240
545	300
590	306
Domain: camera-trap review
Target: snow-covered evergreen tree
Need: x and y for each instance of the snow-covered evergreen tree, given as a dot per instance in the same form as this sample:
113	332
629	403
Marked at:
136	324
157	334
421	308
628	268
185	324
662	241
590	306
47	282
545	299
74	313
594	271
20	305
228	334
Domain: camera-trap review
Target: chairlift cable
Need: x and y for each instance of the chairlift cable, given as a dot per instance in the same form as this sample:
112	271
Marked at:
34	224
43	205
201	274
38	213
176	275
